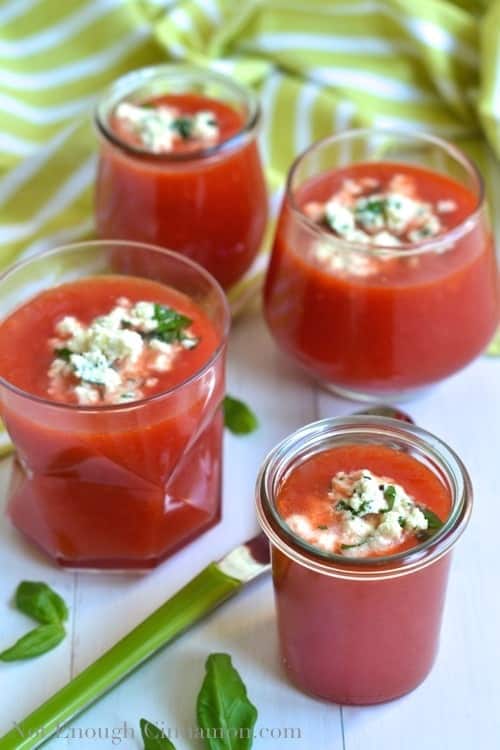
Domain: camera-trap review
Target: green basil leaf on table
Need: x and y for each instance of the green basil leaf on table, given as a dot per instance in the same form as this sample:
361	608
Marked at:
35	643
238	417
39	601
153	737
225	714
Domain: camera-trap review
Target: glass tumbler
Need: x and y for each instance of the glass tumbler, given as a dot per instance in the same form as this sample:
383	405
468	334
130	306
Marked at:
117	486
209	204
360	630
382	323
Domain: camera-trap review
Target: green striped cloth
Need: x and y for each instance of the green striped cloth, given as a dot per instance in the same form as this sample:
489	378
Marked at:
318	65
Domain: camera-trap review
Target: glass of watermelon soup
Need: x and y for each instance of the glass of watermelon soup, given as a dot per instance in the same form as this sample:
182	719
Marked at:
180	167
383	276
111	384
362	514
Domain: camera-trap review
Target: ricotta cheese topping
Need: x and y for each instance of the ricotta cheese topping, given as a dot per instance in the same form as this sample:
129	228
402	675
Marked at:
116	358
381	216
160	128
368	515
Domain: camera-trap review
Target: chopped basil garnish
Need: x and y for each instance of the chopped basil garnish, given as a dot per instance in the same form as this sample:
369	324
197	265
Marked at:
434	523
322	527
63	353
375	206
184	126
171	325
342	505
390	496
352	546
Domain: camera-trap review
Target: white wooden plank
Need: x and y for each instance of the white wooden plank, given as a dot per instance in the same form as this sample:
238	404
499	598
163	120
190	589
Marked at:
23	685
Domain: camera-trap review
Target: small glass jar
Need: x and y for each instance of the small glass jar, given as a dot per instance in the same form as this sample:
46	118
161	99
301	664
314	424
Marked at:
210	203
381	323
119	486
360	630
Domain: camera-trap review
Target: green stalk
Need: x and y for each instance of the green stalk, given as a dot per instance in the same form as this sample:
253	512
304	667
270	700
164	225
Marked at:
199	597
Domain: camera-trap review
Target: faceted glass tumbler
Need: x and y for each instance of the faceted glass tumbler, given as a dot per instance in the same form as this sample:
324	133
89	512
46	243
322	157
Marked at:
123	486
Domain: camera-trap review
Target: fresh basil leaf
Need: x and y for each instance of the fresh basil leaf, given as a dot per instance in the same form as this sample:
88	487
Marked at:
63	353
225	714
171	325
153	737
39	601
390	496
184	126
342	505
238	417
35	643
433	521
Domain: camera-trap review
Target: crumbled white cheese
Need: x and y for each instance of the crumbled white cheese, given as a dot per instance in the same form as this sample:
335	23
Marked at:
87	395
94	367
115	343
370	514
429	228
142	317
355	529
446	207
205	126
163	363
68	326
400	211
385	239
161	127
339	260
362	212
324	539
340	218
111	357
300	525
366	495
390	527
363	496
161	346
369	212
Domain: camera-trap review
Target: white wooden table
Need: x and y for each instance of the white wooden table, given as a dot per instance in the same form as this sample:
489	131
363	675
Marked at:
458	707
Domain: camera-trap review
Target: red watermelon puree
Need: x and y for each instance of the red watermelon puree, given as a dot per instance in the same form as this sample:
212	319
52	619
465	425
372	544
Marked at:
359	624
202	196
388	323
116	477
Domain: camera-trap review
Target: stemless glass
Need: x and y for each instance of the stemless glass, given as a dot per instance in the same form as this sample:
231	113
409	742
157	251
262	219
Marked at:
382	322
209	204
117	486
360	630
